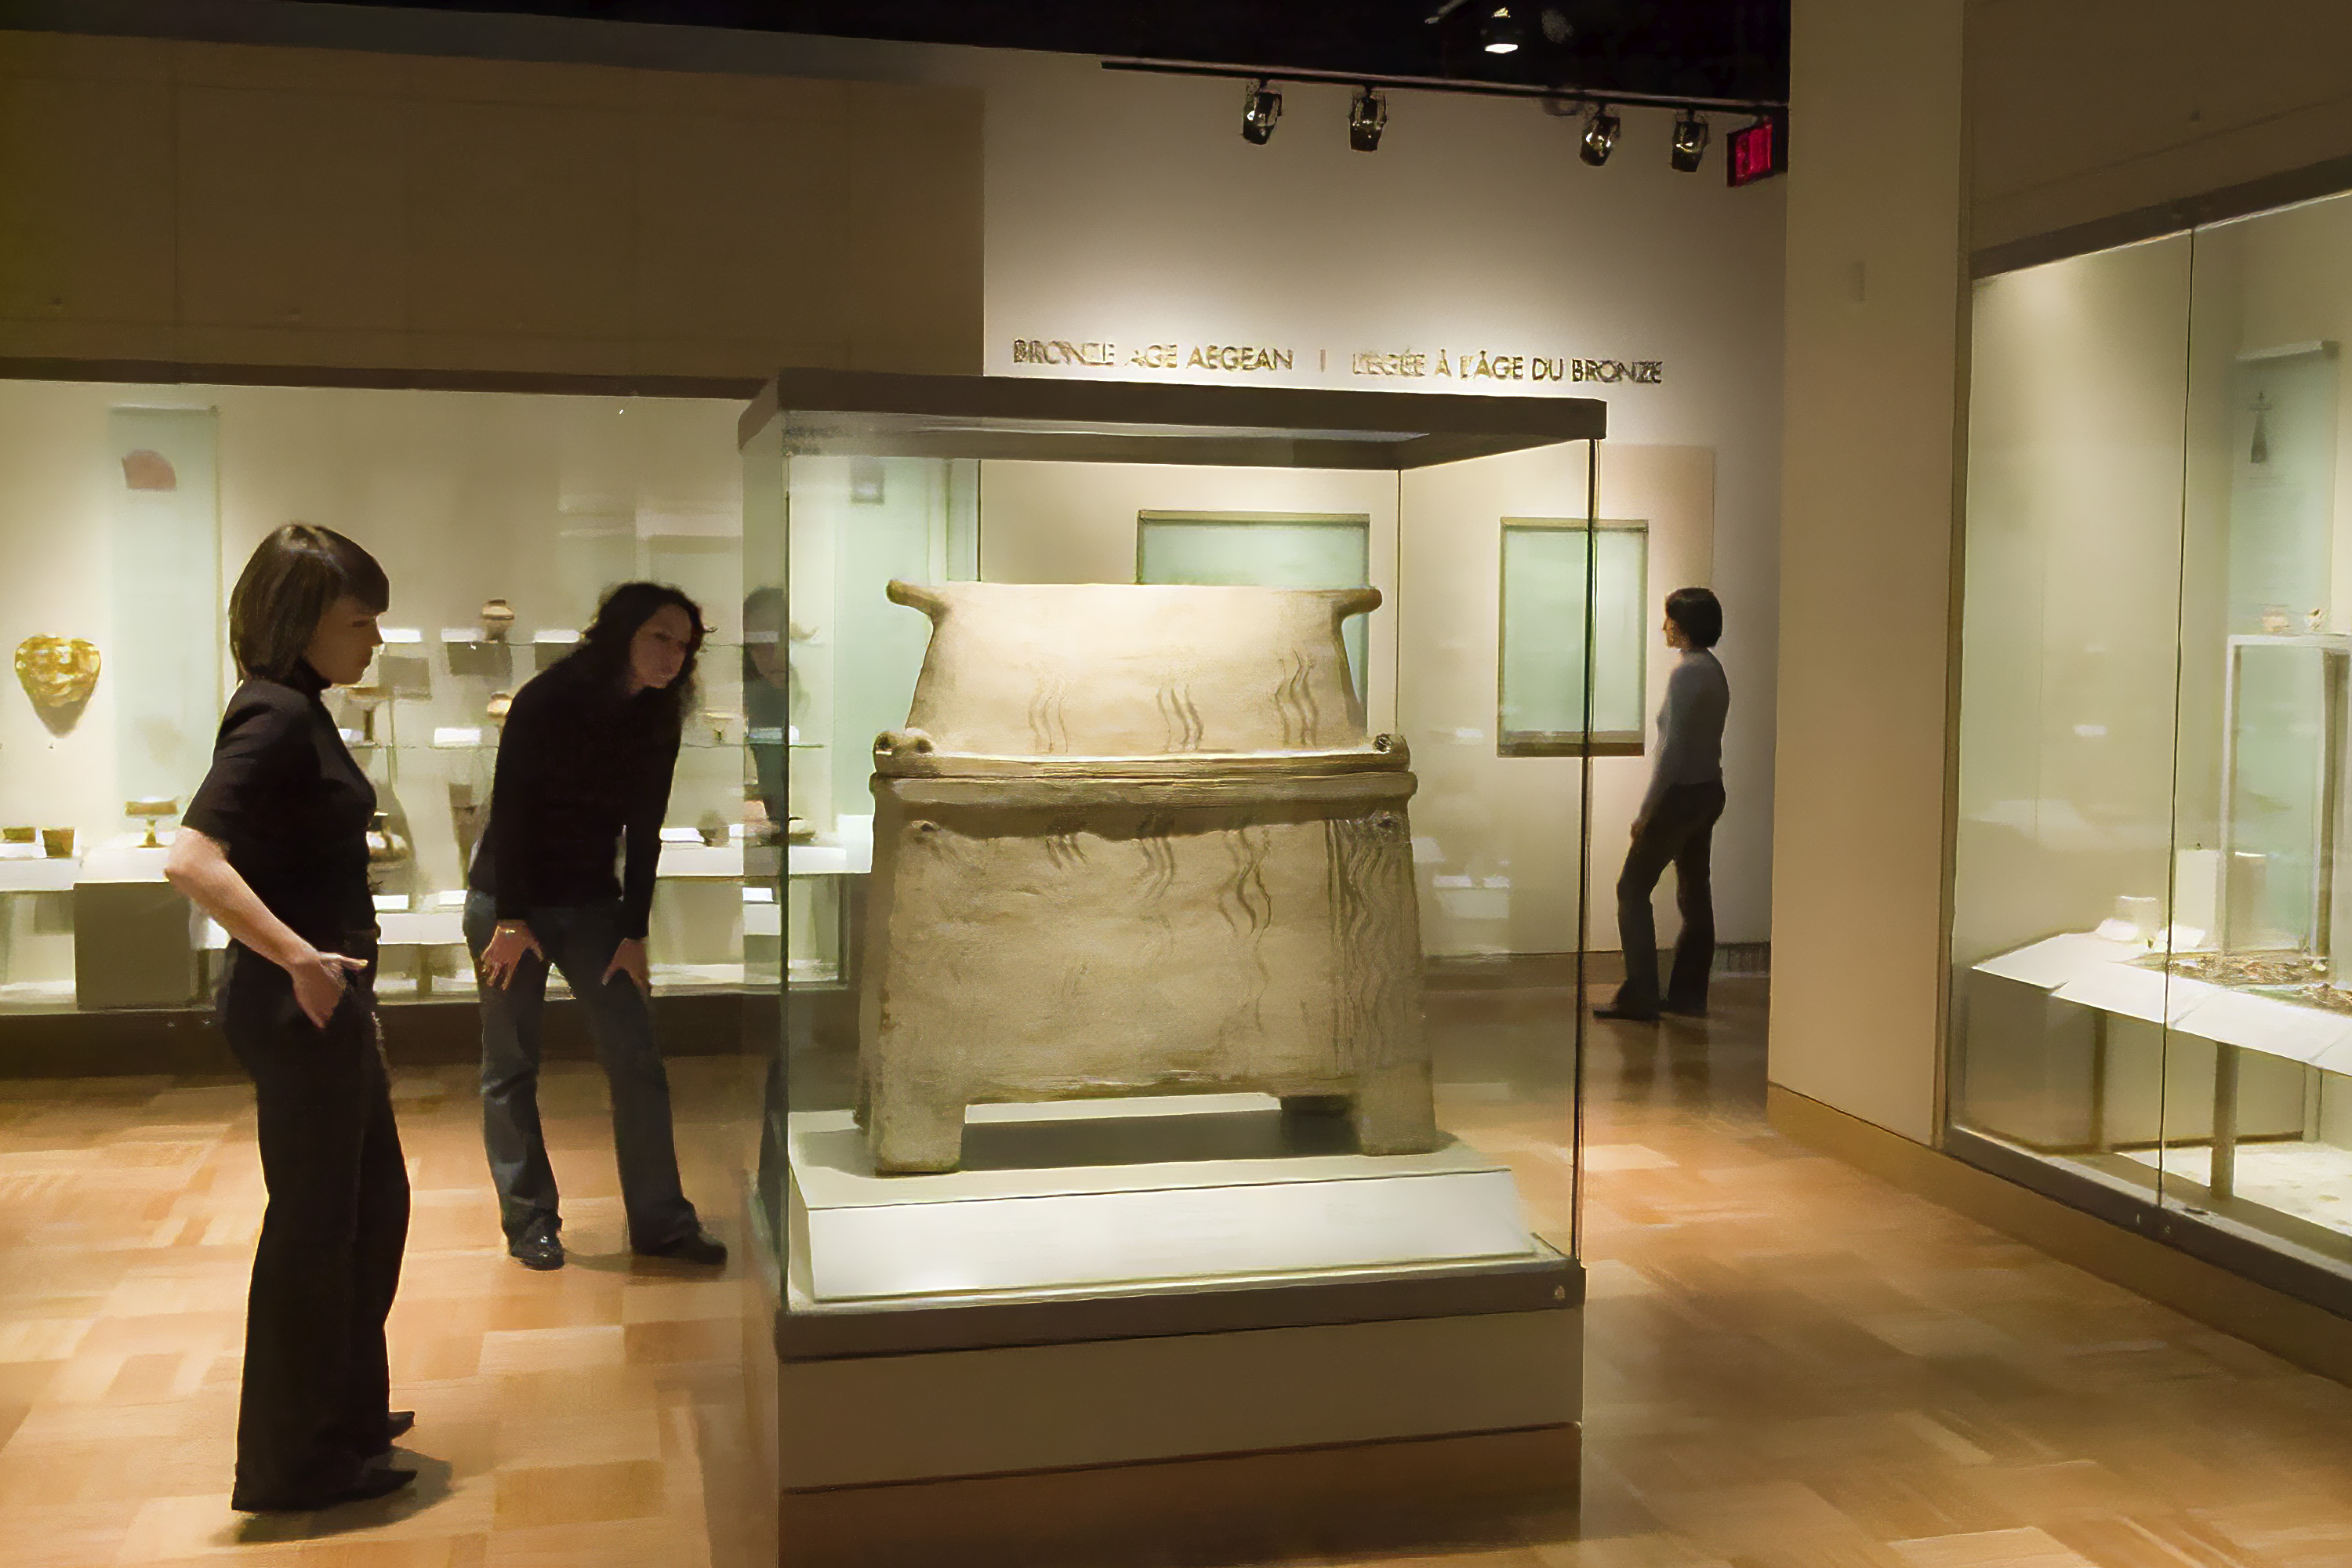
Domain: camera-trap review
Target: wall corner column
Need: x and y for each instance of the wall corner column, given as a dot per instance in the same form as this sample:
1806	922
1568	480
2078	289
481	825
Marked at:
1874	372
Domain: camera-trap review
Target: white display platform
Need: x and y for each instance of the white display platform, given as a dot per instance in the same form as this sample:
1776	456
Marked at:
2095	973
1067	1197
26	875
421	927
700	859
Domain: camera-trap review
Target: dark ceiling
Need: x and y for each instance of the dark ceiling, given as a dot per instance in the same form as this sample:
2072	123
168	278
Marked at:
1735	50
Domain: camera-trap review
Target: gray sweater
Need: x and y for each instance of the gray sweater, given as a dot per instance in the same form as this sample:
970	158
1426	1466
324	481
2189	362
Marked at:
1690	727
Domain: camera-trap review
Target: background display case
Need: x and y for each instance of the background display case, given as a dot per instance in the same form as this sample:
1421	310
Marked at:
1069	787
500	520
2150	1008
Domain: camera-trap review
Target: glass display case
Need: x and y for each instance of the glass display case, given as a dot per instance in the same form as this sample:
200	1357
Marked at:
1117	758
2151	986
501	519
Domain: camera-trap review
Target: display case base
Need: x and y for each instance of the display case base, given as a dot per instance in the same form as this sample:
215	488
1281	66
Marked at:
1352	1331
1367	1499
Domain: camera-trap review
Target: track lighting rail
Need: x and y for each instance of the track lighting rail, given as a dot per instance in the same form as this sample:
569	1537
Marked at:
1570	96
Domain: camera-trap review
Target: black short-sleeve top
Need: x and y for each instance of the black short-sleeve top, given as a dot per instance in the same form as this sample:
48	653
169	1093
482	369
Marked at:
291	806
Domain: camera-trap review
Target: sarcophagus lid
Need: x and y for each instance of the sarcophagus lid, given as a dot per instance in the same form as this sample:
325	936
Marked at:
1189	679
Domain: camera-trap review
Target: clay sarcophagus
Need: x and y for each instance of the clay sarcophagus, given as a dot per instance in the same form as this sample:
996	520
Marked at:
1135	839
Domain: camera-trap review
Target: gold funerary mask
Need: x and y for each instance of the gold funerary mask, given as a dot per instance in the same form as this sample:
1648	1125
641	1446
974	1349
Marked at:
57	672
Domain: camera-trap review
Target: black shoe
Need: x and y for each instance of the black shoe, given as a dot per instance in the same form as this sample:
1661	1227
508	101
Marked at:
370	1484
396	1425
696	1246
1619	1014
538	1247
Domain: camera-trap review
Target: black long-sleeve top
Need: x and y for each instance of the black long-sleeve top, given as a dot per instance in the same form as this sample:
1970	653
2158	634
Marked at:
290	807
581	771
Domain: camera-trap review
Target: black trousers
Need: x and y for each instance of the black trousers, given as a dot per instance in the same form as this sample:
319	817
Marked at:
1678	834
317	1377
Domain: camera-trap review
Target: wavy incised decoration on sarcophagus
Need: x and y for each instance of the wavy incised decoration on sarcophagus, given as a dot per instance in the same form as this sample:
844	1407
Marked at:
1135	839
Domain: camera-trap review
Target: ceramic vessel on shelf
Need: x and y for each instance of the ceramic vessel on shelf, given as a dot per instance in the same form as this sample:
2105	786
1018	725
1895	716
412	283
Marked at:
495	710
369	699
497	620
385	847
150	810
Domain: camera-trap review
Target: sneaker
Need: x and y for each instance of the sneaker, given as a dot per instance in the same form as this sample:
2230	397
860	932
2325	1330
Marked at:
696	1246
537	1246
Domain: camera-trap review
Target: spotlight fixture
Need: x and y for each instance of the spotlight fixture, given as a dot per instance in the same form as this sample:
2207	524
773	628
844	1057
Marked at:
1600	136
1261	107
1690	141
1500	33
1368	116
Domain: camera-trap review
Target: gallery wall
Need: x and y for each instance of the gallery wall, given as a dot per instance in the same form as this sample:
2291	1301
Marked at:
2083	110
195	203
1126	208
1121	207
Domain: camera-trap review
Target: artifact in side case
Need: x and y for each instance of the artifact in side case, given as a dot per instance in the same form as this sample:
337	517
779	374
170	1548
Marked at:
497	620
1135	839
385	847
57	673
148	811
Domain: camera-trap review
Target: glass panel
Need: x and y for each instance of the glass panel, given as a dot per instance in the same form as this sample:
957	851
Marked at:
1270	551
2257	1145
1090	978
2064	868
166	662
1543	637
500	520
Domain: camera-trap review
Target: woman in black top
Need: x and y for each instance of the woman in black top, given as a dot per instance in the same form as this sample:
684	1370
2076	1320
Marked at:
274	846
584	770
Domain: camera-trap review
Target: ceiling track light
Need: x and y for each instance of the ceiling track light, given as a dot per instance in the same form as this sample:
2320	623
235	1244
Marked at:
1690	141
1261	107
1368	116
1600	136
1500	33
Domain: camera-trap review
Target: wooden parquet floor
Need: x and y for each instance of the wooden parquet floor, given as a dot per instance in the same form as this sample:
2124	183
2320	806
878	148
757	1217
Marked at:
1791	1365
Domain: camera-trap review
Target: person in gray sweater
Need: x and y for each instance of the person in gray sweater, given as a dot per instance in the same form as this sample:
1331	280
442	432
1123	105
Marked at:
1677	822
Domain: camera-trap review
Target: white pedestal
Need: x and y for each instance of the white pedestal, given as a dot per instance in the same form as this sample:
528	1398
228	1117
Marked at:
1121	1281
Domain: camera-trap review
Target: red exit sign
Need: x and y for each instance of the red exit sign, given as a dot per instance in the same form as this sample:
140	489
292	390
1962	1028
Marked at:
1757	151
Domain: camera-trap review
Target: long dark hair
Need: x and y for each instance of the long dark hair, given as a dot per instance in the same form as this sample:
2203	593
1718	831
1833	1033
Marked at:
603	652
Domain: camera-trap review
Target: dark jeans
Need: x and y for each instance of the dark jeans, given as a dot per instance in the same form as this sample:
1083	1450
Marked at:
317	1381
580	941
1678	833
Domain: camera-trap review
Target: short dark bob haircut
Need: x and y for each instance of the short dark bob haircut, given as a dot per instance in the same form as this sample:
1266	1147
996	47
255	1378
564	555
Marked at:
1698	613
292	580
603	650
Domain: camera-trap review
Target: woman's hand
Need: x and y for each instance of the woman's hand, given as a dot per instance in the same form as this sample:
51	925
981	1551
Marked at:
629	959
508	943
319	979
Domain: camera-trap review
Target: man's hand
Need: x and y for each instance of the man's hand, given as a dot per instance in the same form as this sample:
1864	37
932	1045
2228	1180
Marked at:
629	959
507	943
